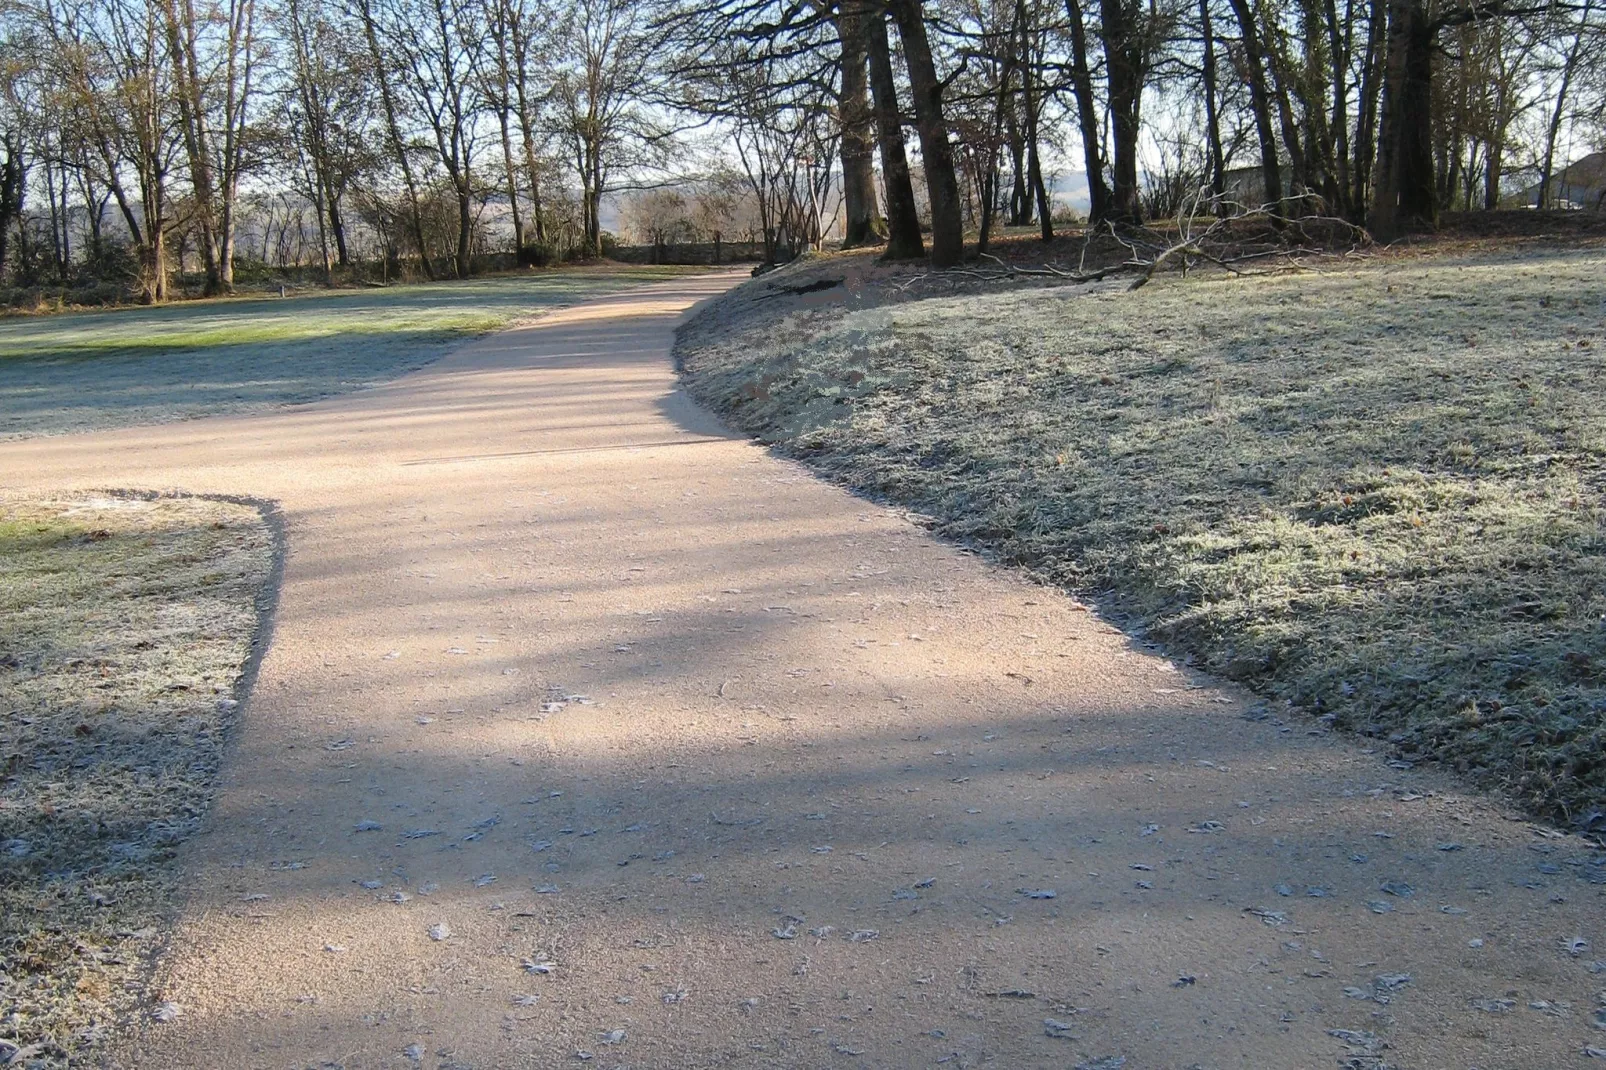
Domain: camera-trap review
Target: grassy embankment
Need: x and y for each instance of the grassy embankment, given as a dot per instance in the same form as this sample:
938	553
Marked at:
1377	492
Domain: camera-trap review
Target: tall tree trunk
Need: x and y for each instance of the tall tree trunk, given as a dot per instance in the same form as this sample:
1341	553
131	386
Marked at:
1405	197
1492	163
1124	62
526	112
1020	198
903	222
864	225
942	184
1218	163
1260	102
1559	112
11	184
1087	115
1034	166
512	182
181	38
238	71
1001	111
382	76
1361	174
56	260
1340	41
337	229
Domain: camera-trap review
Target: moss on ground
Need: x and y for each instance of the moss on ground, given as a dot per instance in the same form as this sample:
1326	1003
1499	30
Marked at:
1378	493
125	625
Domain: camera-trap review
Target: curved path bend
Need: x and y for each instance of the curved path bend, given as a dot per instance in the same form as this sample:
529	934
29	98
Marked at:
697	761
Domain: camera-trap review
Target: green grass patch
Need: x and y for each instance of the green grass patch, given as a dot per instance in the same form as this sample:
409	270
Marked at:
1377	493
125	625
95	370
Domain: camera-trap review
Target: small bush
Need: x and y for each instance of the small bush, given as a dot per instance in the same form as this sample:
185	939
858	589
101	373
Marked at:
539	255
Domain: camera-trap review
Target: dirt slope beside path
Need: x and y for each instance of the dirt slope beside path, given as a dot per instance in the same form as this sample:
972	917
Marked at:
590	732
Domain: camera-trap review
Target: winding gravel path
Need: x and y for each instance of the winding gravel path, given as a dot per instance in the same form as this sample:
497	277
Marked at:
681	758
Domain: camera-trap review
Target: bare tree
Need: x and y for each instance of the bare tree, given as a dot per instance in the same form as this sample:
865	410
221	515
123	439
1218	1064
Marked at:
601	82
213	52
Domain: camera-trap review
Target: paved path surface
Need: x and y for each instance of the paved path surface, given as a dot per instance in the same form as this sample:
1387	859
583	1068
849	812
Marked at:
696	761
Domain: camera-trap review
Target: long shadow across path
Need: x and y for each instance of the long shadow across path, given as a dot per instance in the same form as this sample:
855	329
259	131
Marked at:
591	732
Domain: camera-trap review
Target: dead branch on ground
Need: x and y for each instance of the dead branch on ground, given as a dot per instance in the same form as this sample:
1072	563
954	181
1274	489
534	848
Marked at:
1227	239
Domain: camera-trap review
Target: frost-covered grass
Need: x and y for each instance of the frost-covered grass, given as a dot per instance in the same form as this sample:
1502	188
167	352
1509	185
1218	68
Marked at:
93	370
124	628
1377	492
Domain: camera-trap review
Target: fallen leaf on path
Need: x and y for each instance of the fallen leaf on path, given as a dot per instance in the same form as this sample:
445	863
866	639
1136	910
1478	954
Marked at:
439	931
1055	1028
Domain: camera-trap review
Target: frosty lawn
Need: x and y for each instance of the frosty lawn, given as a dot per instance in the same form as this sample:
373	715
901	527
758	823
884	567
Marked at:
1378	493
124	626
95	370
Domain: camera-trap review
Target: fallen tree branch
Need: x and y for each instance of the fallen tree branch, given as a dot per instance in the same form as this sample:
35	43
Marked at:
1221	243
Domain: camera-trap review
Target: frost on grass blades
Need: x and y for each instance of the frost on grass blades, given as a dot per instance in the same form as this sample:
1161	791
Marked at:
124	626
1376	492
